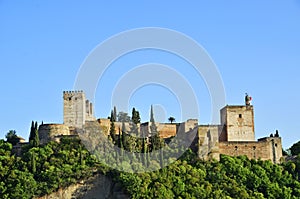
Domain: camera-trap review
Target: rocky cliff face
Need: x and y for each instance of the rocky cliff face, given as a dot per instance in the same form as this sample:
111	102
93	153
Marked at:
97	187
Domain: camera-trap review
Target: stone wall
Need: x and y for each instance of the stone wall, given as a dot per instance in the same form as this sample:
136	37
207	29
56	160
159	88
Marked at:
265	149
208	142
239	123
166	130
190	124
49	132
105	124
89	111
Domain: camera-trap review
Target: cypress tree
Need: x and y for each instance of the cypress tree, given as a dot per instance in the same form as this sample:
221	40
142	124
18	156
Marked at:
144	149
147	157
153	128
135	118
121	143
115	114
151	115
32	133
124	137
35	126
112	130
36	141
81	156
155	138
161	157
33	162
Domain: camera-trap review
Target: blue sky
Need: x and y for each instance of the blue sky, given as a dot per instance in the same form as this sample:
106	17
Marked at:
254	44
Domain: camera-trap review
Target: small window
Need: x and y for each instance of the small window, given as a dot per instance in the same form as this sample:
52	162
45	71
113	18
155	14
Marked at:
254	147
75	98
240	115
275	145
235	147
70	98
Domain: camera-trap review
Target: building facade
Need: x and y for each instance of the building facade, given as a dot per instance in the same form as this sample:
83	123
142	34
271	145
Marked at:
234	136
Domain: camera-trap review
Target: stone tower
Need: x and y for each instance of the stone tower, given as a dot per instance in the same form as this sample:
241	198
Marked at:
237	123
77	109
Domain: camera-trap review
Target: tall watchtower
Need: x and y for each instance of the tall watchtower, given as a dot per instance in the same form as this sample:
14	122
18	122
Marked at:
77	109
238	122
74	108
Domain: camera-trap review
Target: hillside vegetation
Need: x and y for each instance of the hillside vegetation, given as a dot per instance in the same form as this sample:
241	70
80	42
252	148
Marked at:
232	177
44	169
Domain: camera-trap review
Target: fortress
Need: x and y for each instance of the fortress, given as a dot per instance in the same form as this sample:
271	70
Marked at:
234	136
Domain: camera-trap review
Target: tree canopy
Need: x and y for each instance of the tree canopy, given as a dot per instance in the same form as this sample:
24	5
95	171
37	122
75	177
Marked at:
12	137
171	119
295	148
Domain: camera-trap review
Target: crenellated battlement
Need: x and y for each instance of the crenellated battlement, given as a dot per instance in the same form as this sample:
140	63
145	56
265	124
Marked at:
72	93
77	109
77	91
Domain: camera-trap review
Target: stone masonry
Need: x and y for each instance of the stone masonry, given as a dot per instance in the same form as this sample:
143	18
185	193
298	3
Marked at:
234	136
77	109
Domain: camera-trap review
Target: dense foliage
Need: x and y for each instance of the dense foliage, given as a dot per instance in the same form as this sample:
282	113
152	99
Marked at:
43	169
12	137
295	149
232	177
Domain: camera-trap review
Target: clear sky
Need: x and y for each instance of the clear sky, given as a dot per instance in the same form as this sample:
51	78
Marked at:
254	44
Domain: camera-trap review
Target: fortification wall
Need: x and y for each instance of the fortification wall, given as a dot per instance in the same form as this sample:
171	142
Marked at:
208	142
264	149
105	124
89	109
166	130
50	132
190	124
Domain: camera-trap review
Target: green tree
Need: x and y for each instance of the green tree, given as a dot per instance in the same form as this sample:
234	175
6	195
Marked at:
156	141
295	148
36	141
12	137
115	114
112	130
33	135
123	117
135	118
120	144
171	119
33	162
123	136
32	132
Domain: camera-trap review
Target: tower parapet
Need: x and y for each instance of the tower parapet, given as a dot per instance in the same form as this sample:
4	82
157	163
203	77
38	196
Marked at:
238	123
77	109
